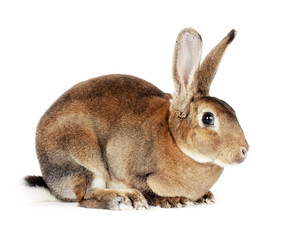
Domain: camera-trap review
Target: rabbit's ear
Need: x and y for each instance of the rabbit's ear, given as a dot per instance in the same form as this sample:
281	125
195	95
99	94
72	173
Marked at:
210	64
186	62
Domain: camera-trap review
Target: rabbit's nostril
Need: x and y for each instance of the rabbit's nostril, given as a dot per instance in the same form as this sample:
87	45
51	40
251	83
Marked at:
243	152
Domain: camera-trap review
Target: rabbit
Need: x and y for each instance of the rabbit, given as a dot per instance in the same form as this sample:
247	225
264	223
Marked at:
118	142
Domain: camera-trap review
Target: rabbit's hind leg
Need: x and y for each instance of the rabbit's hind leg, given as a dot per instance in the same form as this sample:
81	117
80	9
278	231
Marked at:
71	161
127	199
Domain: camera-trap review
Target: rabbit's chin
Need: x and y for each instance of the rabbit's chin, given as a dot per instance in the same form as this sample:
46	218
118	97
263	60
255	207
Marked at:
221	164
201	158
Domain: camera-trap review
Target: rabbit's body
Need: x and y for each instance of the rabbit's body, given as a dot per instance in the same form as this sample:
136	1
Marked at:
86	133
116	141
94	135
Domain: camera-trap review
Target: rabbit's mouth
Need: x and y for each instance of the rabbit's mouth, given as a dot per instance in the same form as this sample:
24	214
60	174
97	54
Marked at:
232	159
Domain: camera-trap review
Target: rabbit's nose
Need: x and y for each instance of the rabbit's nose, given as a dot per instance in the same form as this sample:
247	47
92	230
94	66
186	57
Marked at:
243	151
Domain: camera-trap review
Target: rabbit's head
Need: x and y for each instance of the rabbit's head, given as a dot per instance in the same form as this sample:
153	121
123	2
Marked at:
205	128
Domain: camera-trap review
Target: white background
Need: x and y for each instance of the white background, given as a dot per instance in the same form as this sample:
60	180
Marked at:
48	46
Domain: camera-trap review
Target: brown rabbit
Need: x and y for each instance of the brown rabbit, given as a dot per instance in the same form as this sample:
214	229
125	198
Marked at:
118	142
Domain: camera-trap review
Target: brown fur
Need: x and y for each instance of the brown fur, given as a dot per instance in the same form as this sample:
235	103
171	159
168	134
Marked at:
210	64
119	129
79	187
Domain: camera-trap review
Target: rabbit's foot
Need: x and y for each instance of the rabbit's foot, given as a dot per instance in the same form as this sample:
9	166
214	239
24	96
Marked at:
114	199
208	198
169	202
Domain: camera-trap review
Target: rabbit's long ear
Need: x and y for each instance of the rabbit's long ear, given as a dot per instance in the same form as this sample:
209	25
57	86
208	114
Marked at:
186	63
210	64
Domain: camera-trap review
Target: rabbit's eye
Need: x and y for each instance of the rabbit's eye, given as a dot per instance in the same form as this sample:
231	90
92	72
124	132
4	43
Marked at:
208	119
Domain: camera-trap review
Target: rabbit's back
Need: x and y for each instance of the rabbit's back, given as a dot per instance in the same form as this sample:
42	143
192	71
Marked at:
111	100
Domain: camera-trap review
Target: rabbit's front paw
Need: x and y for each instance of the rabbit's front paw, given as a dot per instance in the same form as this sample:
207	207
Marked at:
208	198
169	202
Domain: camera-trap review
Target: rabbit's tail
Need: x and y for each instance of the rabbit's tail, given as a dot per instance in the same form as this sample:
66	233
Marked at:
37	190
35	181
